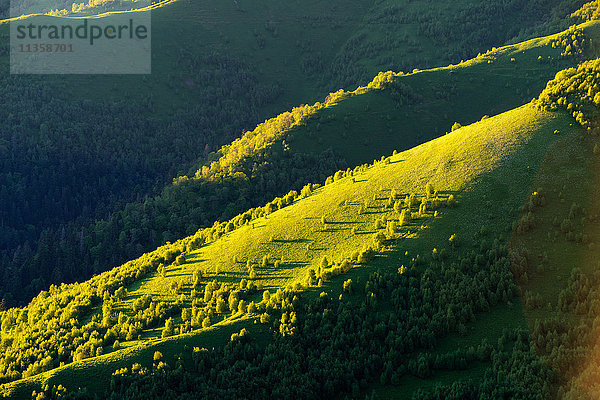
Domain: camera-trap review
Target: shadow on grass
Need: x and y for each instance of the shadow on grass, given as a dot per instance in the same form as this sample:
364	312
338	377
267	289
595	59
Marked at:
302	240
369	232
169	275
192	258
374	210
284	266
342	222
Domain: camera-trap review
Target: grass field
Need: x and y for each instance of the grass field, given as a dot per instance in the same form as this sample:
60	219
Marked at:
491	166
243	64
423	105
510	148
568	179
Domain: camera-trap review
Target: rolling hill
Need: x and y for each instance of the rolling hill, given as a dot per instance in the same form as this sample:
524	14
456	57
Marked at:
331	223
425	274
397	110
243	64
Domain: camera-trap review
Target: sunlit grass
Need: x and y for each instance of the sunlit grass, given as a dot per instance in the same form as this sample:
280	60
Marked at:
461	163
488	166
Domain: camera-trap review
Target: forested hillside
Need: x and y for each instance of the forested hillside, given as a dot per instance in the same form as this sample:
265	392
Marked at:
425	275
426	234
77	149
371	234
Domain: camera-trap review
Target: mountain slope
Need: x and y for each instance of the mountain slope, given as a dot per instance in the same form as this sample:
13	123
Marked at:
408	110
203	92
509	148
217	275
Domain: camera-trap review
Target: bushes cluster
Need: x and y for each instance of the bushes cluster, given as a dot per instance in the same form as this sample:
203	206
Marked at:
326	346
588	12
578	91
573	41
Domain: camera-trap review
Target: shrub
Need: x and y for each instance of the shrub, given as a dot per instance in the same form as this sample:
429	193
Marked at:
266	296
252	274
347	286
180	260
265	318
379	238
197	278
311	277
452	240
364	256
120	293
398	207
405	217
306	190
392	228
169	328
423	207
429	190
221	305
252	309
142	303
324	262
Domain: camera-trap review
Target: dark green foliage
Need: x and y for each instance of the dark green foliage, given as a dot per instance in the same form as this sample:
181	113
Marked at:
66	163
356	339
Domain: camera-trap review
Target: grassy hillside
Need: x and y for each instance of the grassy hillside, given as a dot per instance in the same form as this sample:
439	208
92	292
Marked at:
395	111
202	94
295	239
242	63
424	275
274	158
403	35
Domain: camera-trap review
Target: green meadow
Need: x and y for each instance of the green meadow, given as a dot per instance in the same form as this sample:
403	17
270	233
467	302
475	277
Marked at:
452	255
